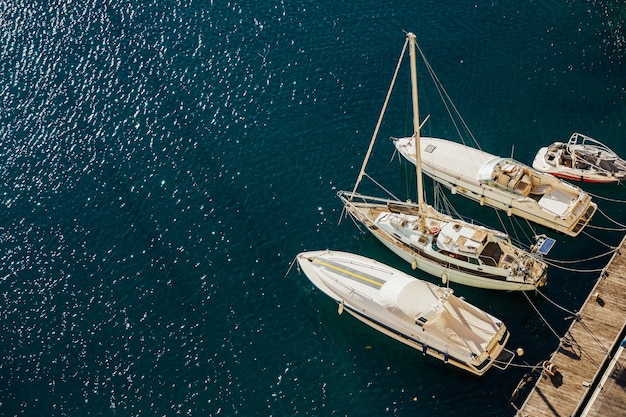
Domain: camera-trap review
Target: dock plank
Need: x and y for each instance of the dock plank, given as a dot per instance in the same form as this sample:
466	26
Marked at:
584	349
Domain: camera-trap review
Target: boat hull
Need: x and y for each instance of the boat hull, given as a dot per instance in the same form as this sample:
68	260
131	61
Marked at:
459	168
450	272
555	160
591	179
442	266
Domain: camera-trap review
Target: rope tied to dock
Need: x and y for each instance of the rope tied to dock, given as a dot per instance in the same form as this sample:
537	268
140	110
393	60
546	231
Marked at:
541	316
574	314
623	226
612	200
575	261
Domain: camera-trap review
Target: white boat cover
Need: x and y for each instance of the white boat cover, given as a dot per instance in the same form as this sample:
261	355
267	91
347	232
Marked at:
407	295
451	317
464	324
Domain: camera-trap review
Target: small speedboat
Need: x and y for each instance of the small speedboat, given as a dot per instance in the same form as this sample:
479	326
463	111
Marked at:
581	159
417	313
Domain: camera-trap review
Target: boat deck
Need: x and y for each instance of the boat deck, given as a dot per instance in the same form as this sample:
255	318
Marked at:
584	352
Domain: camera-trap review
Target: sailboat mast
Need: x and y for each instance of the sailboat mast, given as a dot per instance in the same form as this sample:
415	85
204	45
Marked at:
416	128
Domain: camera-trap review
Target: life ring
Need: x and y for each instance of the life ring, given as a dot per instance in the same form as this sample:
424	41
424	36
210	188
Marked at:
434	230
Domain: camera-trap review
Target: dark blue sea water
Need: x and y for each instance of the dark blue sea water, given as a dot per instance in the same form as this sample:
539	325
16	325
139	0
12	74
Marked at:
161	164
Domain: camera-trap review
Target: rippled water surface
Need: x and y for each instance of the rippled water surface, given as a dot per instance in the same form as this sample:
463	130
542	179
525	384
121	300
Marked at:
163	162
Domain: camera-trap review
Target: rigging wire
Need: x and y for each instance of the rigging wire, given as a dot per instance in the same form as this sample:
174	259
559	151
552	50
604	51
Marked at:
442	203
344	214
445	204
447	101
519	226
381	186
380	118
451	210
358	226
501	222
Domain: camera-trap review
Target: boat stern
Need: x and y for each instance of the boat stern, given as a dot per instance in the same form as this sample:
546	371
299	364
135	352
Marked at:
588	209
534	270
495	353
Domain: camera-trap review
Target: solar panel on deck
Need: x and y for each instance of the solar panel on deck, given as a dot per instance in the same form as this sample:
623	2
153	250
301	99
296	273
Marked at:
546	245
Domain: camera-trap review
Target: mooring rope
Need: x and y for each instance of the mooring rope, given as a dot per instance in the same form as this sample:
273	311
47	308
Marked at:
556	305
612	200
574	261
518	365
614	221
563	268
567	338
603	349
599	241
541	316
606	229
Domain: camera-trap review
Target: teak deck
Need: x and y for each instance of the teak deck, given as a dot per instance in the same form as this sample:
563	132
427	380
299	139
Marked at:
584	350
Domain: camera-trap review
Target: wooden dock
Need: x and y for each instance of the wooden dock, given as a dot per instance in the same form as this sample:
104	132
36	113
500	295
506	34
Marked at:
585	351
608	396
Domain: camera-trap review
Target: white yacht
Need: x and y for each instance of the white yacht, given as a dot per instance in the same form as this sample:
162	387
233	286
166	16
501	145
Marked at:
426	317
502	183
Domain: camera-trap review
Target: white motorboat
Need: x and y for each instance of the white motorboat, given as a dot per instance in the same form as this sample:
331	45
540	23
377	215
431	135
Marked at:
448	248
581	159
502	183
426	317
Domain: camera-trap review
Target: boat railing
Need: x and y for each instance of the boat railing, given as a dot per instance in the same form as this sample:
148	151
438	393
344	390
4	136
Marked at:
349	196
580	139
488	260
504	359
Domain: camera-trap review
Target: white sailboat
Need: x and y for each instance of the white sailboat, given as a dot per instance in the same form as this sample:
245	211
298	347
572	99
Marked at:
583	159
419	314
443	246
